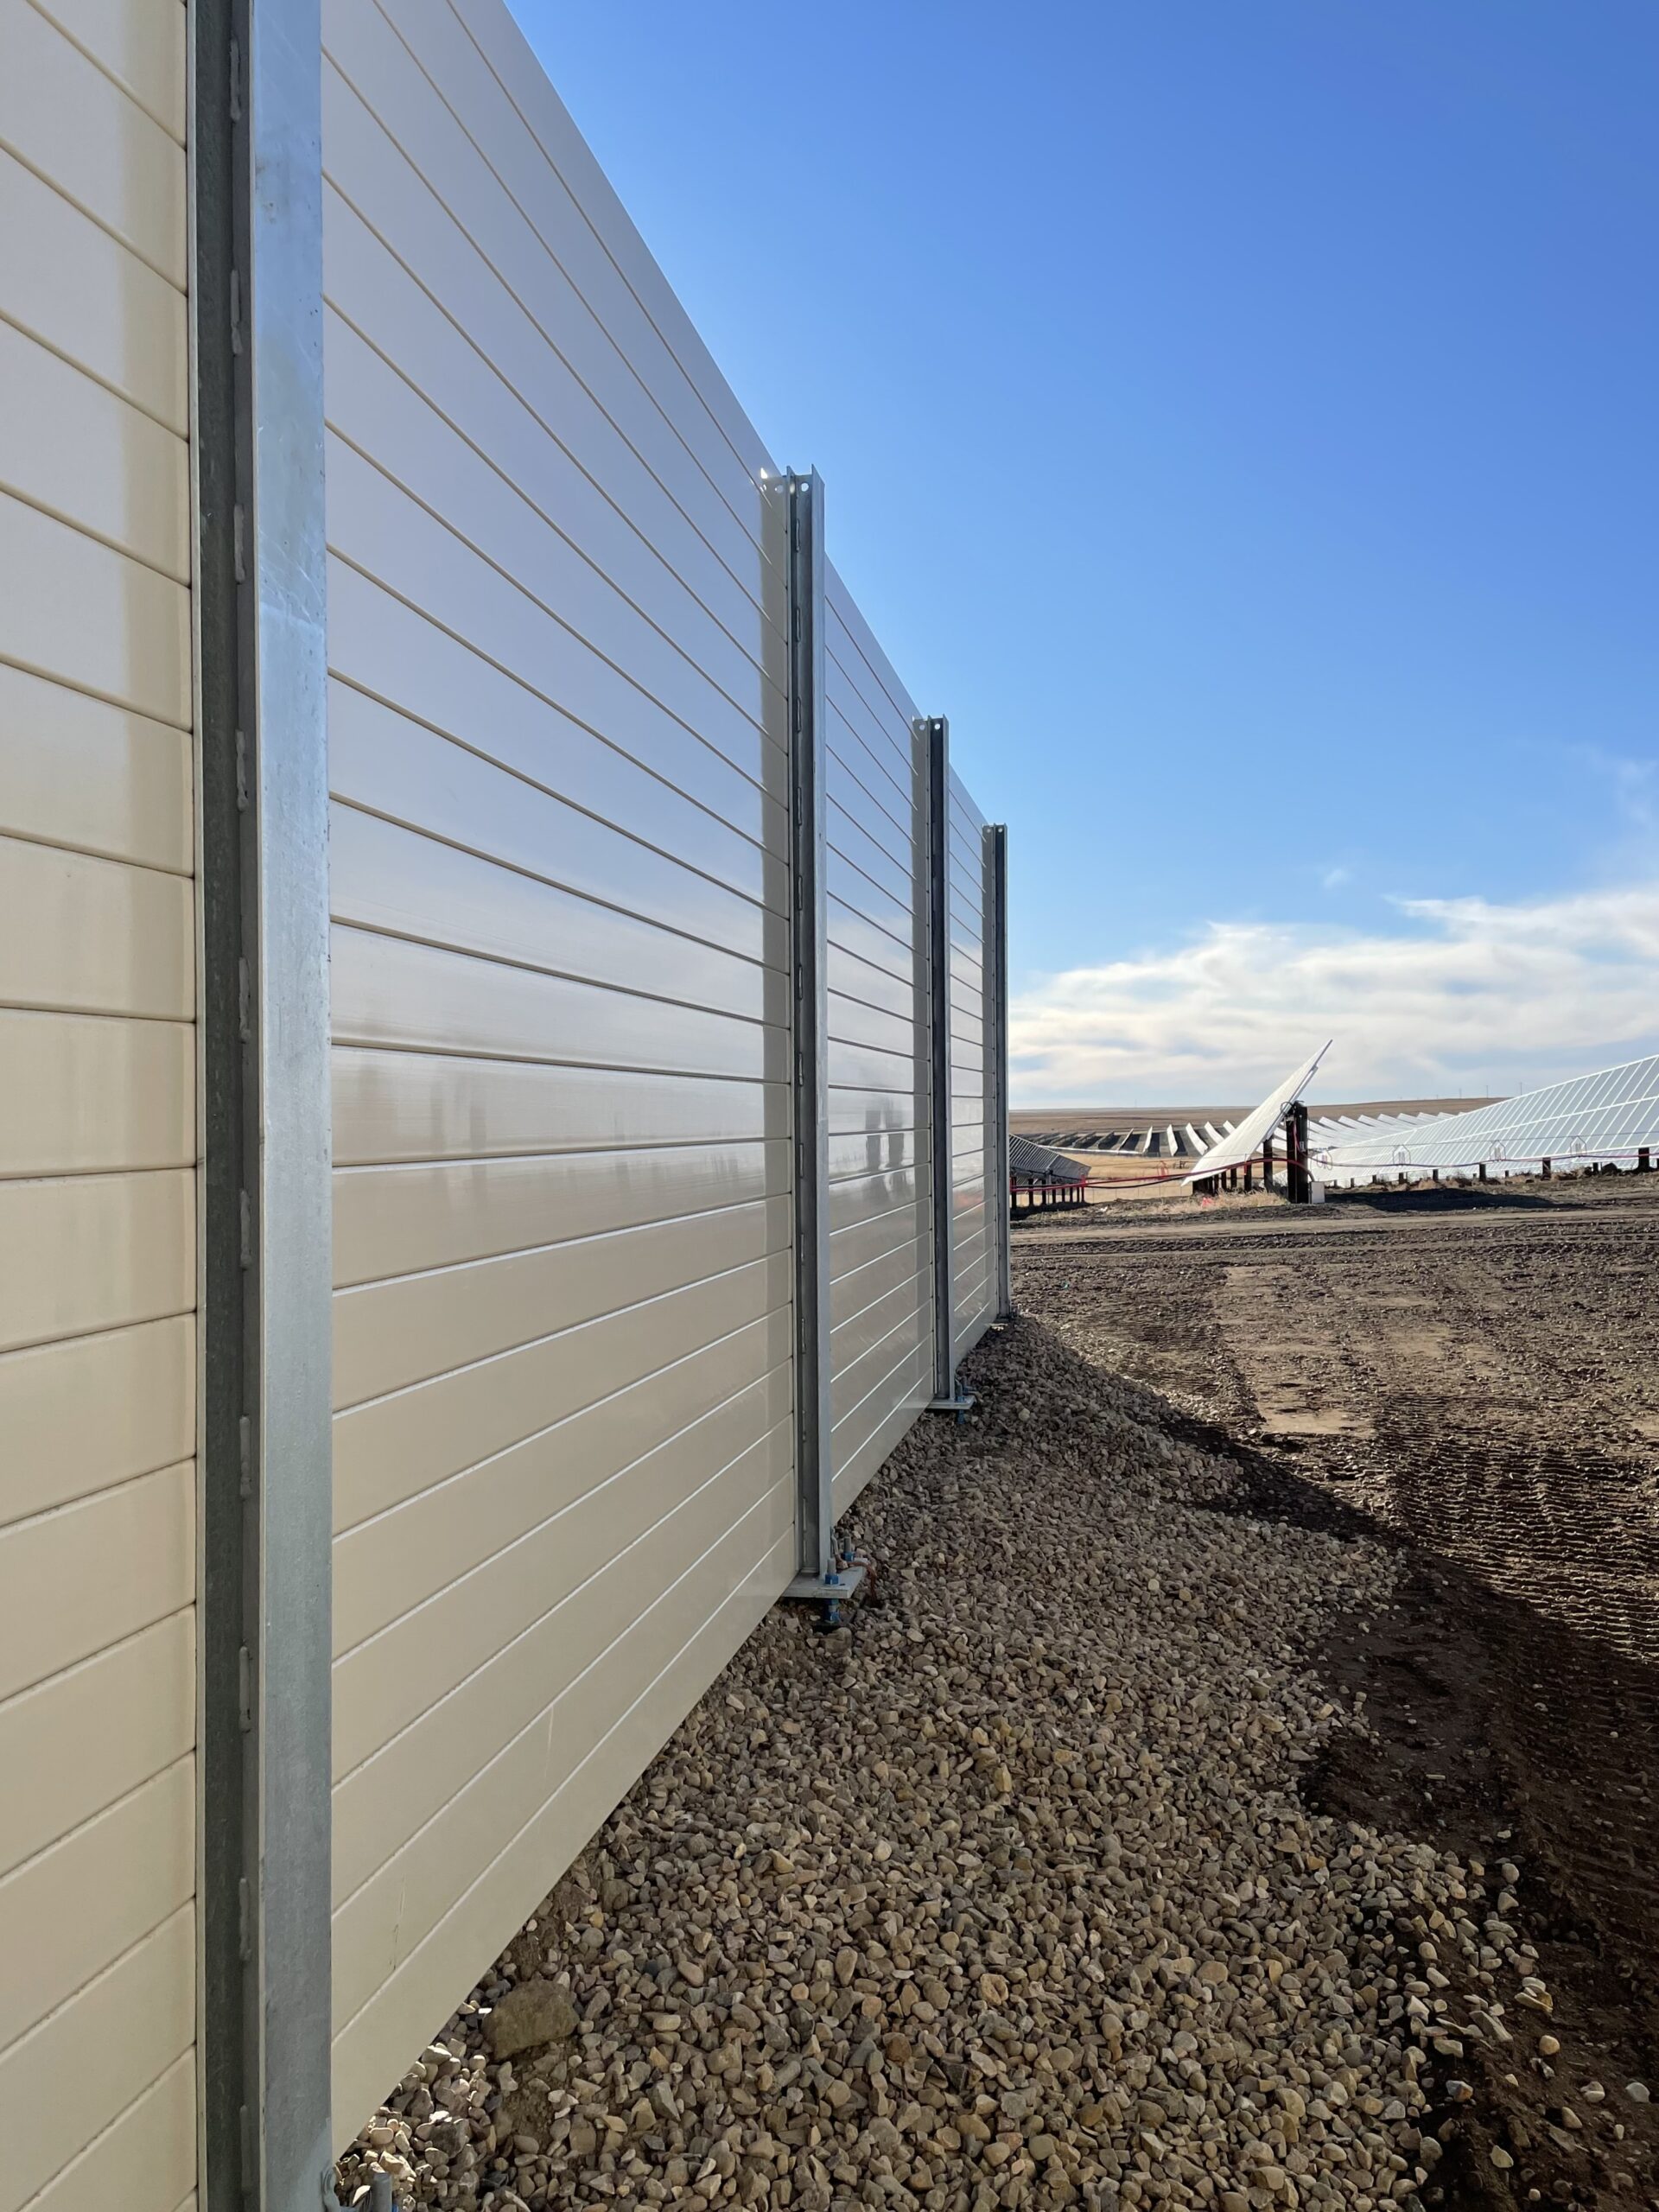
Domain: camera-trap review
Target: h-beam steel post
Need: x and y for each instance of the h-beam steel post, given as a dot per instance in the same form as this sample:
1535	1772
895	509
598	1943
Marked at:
818	1578
934	732
263	1255
996	1049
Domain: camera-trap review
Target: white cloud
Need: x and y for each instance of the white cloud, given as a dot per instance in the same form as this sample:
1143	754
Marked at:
1463	994
1333	878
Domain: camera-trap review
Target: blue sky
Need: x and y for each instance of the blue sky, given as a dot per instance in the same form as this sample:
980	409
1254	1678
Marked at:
1240	420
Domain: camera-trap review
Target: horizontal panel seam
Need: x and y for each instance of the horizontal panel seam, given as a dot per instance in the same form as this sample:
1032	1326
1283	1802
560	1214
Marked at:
513	675
546	243
569	890
570	368
108	698
346	921
757	1383
530	1627
577	1413
560	798
509	1351
83	529
564	1243
535	508
726	1535
88	55
55	184
515	583
48	345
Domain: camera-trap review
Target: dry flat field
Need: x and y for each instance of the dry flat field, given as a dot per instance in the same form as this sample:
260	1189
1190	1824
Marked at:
1234	1789
1474	1372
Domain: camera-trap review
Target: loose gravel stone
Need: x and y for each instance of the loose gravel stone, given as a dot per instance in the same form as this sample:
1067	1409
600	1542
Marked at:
1004	1895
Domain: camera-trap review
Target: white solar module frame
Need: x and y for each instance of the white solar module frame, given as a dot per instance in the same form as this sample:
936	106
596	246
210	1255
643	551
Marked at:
1245	1141
1607	1116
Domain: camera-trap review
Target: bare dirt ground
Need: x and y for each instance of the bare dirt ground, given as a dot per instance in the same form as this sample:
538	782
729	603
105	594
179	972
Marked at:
1473	1371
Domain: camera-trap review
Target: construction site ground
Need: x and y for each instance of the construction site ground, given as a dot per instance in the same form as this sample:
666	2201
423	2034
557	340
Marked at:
1470	1371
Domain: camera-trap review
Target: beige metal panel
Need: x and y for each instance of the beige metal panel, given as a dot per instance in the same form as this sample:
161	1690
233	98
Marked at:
869	801
855	644
388	762
391	991
390	1221
962	805
71	284
80	2070
865	772
94	1252
851	931
853	842
144	2162
855	1293
852	1021
380	1923
128	1712
384	877
390	765
580	221
82	1576
861	1449
860	1067
726	1594
91	458
863	1331
59	113
661	425
388	1566
872	986
95	1411
498	38
421	1106
394	1447
849	886
674	651
881	1150
76	771
390	1334
885	741
536	433
68	1911
891	1193
381	529
91	617
391	1796
861	1113
80	1095
853	1249
403	658
377	284
385	1684
862	1378
139	43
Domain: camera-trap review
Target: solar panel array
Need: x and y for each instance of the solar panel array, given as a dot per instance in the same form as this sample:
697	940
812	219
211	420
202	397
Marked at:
1245	1142
1606	1117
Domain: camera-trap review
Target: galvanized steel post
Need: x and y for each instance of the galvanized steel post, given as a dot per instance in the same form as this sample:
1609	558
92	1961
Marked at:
814	1456
934	732
996	1181
266	1472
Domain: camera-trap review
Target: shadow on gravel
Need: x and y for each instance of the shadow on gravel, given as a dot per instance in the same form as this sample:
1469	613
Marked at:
1500	1733
1439	1198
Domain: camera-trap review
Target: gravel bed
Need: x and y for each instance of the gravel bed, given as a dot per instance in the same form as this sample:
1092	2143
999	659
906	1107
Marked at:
1004	1895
